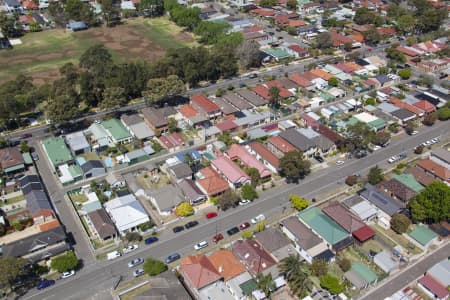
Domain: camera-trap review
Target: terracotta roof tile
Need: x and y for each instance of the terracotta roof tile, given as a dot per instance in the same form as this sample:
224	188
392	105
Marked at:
188	111
226	264
204	103
432	167
265	154
199	270
281	144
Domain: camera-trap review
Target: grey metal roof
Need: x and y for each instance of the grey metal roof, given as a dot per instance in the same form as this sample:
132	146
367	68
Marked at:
77	141
225	107
441	272
251	97
441	154
37	200
305	237
131	119
135	154
385	262
403	114
91	164
181	170
237	101
28	179
191	190
380	200
272	239
387	107
167	197
297	139
12	3
34	186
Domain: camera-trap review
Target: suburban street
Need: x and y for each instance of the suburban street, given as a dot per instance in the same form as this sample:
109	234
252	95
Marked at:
100	276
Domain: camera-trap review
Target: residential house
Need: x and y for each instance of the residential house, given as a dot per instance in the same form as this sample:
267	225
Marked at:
385	261
237	101
57	152
226	108
93	168
126	212
441	272
155	119
198	272
269	159
360	207
115	180
137	126
433	288
396	189
38	205
11	160
205	105
192	116
361	276
299	141
238	152
274	242
165	199
230	172
192	193
441	156
137	156
102	224
279	146
420	175
13	6
116	131
210	183
438	171
78	143
297	51
252	98
226	264
180	171
254	257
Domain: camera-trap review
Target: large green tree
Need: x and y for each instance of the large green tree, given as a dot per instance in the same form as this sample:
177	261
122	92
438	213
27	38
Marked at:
111	12
159	89
400	223
153	266
324	40
432	204
248	54
65	262
381	138
294	166
228	199
11	269
359	135
375	175
295	272
249	193
265	283
113	97
331	283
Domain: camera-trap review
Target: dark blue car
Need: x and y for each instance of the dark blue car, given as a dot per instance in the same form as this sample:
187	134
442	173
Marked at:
172	258
45	284
151	240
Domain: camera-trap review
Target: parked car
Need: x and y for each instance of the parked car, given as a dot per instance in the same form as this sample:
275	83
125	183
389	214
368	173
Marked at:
135	262
113	255
211	215
402	155
253	75
172	258
130	248
26	136
67	274
45	284
244	202
319	158
339	163
233	230
138	272
191	224
392	160
217	238
434	141
414	132
201	245
258	218
177	229
244	225
151	240
35	156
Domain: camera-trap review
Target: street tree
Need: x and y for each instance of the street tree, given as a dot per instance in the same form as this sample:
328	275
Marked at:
113	98
333	81
294	167
400	223
153	266
381	138
406	23
324	40
159	89
228	199
359	135
444	113
405	73
260	226
298	202
254	175
248	54
432	204
430	119
184	209
410	127
426	80
61	108
65	262
274	95
133	237
249	193
12	268
371	36
375	175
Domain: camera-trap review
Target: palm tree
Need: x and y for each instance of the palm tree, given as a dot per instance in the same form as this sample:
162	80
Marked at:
265	283
295	273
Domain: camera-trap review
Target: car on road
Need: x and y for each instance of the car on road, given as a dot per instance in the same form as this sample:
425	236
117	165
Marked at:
130	248
172	257
35	156
151	240
67	274
113	255
339	163
434	141
414	132
232	231
244	225
177	229
138	272
26	136
376	147
319	158
191	224
45	284
217	238
402	155
392	159
135	262
211	215
253	75
244	202
258	218
201	245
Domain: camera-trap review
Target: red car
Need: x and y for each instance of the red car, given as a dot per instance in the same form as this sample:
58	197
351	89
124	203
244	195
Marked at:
244	225
217	237
211	215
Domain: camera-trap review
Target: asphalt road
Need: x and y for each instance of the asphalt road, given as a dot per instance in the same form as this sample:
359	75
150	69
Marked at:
408	275
96	279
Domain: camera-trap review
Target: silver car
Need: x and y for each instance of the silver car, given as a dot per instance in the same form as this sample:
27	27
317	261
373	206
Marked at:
135	262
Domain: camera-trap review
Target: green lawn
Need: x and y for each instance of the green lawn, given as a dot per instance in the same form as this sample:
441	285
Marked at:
12	200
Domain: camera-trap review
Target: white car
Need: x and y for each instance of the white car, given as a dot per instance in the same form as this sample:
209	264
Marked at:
135	262
201	245
376	147
138	272
244	202
434	141
130	248
414	132
258	218
392	160
339	163
67	274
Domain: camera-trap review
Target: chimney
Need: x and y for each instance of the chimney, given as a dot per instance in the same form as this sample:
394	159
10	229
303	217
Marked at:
220	269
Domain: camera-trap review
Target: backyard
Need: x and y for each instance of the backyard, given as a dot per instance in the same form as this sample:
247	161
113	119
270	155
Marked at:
42	53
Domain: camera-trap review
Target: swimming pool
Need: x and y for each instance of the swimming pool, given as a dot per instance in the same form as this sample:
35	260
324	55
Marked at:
108	162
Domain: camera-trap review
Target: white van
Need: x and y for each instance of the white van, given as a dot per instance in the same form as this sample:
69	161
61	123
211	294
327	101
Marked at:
113	255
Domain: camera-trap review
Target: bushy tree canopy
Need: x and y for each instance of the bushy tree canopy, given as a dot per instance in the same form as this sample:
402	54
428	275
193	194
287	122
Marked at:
432	204
65	262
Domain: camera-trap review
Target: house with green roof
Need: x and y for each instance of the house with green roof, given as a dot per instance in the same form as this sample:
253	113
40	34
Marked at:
117	131
361	276
335	236
423	235
57	152
409	181
277	54
378	124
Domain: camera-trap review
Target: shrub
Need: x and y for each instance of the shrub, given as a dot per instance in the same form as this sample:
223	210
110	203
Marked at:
331	284
345	264
133	237
65	262
298	202
184	209
400	223
154	267
319	267
351	180
146	226
247	234
260	226
18	226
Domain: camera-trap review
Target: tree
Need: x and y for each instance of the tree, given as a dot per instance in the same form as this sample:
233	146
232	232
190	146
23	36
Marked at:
292	30
381	138
295	273
97	60
319	267
172	125
211	32
2	229
12	268
375	175
159	89
24	147
113	98
444	113
425	80
345	264
274	95
405	74
247	192
430	119
333	81
359	136
371	36
394	127
419	149
298	202
184	209
133	237
248	54
395	55
351	180
254	175
294	166
228	199
267	3
153	266
247	234
410	127
406	23
260	226
152	8
331	284
324	40
371	101
265	283
61	108
292	5
65	262
400	223
432	204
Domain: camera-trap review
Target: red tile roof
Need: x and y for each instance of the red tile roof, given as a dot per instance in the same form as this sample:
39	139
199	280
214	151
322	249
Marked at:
265	154
339	39
298	49
176	139
253	255
309	76
407	51
262	91
399	103
212	184
425	106
239	152
297	23
364	233
281	144
436	169
434	286
321	73
10	157
204	103
253	28
188	111
199	271
226	125
300	80
263	12
226	264
386	30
